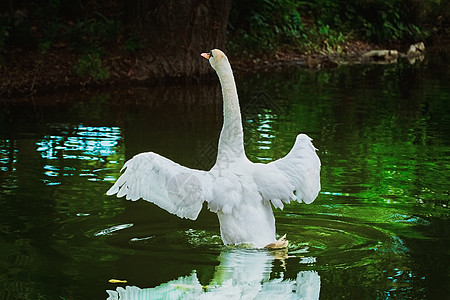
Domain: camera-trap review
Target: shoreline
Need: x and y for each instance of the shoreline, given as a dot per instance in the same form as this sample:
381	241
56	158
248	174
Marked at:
30	74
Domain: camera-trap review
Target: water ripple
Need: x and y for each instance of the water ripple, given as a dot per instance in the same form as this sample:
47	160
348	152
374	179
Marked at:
110	230
338	241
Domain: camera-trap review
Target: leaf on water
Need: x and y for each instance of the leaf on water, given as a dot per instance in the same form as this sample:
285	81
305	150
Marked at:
117	281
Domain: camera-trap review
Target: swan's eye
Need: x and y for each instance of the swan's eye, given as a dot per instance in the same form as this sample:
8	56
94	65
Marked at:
211	53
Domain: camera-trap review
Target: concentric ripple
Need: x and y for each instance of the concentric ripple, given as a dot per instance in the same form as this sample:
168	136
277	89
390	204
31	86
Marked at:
340	242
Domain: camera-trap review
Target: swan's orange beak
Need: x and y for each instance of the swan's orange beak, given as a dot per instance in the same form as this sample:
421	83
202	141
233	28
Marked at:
205	55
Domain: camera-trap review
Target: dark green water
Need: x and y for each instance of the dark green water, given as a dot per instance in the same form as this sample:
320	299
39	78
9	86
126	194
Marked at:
379	229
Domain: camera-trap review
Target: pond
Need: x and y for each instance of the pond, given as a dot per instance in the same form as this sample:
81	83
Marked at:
379	229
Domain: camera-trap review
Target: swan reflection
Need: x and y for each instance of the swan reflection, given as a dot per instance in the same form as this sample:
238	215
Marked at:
241	274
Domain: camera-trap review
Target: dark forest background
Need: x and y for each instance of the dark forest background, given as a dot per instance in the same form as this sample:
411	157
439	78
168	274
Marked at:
97	40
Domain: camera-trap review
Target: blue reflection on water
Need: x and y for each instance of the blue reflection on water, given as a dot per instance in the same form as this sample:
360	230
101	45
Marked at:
7	156
88	143
83	143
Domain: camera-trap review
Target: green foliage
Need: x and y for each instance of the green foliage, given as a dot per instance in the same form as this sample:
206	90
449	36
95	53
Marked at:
90	64
255	26
50	21
94	31
133	44
264	25
322	37
39	26
374	20
16	30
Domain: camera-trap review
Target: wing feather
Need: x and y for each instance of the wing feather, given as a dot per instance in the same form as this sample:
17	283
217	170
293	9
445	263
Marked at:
156	179
302	167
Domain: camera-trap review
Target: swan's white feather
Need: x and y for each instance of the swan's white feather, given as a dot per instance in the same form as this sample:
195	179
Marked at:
154	178
302	167
225	193
273	184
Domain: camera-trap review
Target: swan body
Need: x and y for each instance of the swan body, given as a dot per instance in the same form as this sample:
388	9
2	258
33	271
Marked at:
241	192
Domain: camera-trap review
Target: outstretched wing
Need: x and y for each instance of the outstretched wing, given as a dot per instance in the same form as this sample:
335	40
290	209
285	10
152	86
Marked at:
156	179
302	167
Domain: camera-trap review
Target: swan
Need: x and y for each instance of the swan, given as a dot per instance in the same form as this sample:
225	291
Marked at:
239	191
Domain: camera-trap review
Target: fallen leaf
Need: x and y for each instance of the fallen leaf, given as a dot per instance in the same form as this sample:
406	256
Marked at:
117	281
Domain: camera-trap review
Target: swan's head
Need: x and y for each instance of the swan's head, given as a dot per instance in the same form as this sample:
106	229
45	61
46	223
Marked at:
217	59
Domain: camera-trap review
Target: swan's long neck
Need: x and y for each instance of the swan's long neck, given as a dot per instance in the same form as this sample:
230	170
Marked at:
231	141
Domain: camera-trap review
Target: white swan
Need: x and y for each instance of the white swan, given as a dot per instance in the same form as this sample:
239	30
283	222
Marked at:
239	191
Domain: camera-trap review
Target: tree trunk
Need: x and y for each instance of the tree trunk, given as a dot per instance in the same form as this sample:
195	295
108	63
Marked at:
175	33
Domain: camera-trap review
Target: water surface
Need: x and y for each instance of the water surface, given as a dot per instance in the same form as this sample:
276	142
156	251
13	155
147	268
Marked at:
379	229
